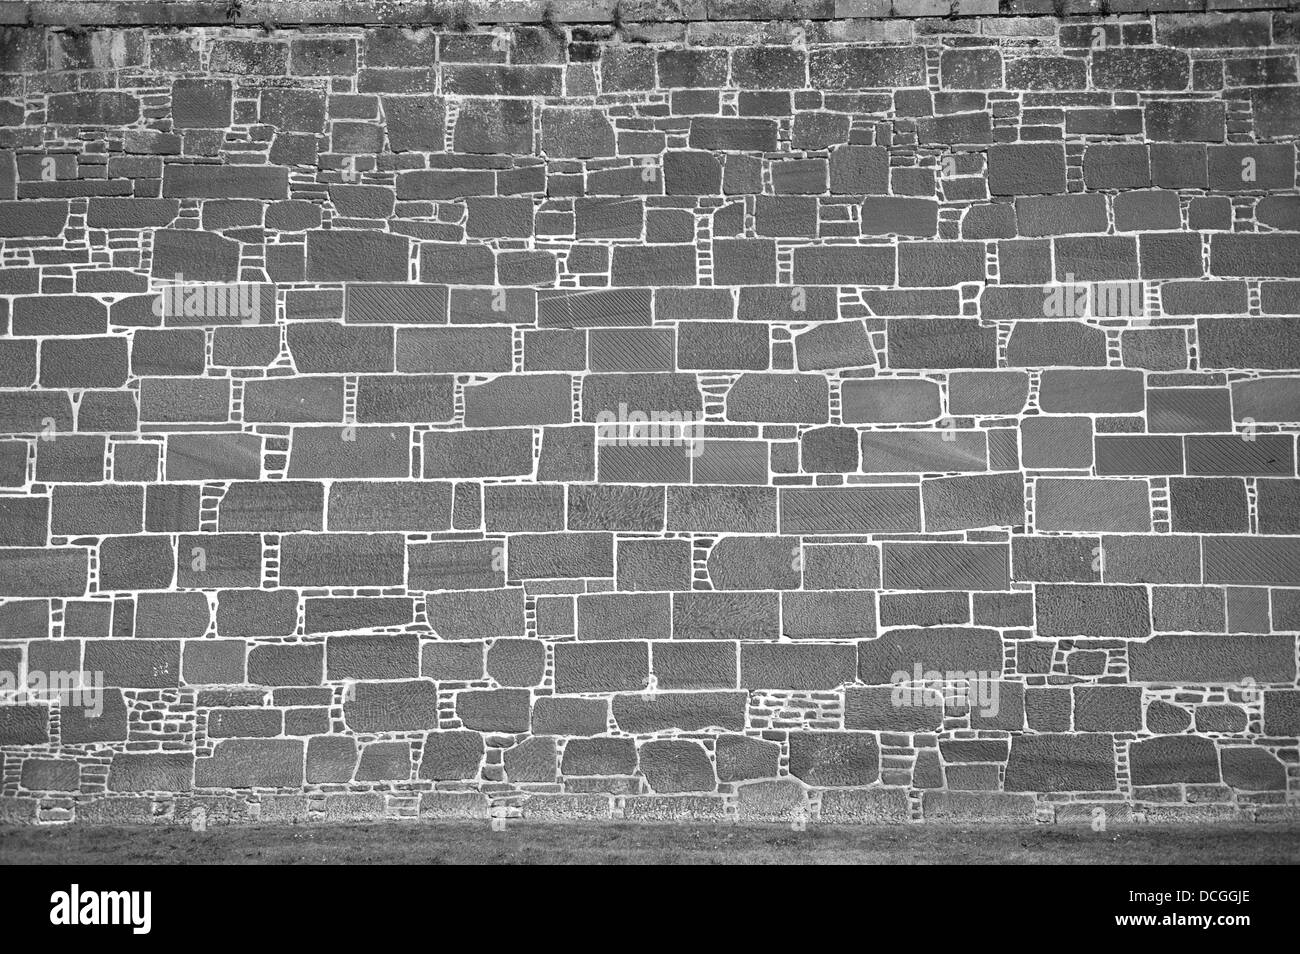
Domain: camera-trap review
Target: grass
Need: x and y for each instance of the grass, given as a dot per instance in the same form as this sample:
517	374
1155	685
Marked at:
541	843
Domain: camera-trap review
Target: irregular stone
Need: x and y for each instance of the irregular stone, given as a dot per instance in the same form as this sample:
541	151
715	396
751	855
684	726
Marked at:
834	758
677	766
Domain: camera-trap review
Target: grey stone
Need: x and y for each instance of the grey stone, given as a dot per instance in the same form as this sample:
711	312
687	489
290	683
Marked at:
965	807
889	401
451	755
1092	505
601	666
1168	759
162	772
676	766
943	649
800	666
1210	659
494	710
599	756
742	757
834	759
391	706
1083	610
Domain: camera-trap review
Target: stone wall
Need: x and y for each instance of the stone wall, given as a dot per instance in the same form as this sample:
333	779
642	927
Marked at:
951	360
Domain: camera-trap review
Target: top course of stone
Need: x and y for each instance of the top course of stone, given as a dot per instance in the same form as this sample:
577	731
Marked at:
464	13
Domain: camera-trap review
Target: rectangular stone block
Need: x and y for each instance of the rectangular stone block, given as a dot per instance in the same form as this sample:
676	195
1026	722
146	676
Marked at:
554	556
402	706
943	649
151	772
850	510
475	613
729	615
342	559
61	571
601	666
1252	561
924	451
829	614
135	663
946	566
780	666
350	452
1084	505
1066	609
607	616
252	763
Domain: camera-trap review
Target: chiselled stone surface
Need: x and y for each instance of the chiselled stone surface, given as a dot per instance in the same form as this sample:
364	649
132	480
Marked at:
701	413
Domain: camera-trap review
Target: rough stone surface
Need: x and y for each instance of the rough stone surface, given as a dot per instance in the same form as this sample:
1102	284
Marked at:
880	411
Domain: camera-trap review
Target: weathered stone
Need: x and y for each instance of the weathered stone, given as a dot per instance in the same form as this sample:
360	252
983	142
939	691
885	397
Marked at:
392	706
777	800
943	649
252	763
1061	763
494	710
869	806
1252	769
451	755
643	714
599	756
834	758
965	807
1173	758
132	772
330	759
454	805
676	766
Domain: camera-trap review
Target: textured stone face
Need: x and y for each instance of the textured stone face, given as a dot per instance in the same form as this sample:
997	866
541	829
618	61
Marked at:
735	418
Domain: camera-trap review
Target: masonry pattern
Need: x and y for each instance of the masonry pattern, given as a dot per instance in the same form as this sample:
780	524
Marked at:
363	554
